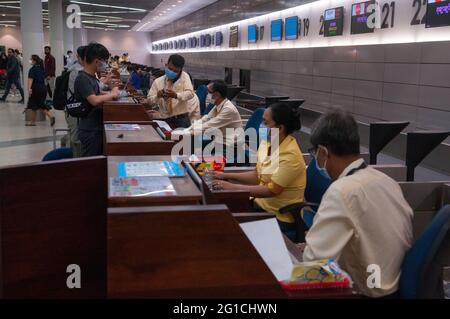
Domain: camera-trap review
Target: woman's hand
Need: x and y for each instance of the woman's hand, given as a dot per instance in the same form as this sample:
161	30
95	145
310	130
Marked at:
222	185
219	175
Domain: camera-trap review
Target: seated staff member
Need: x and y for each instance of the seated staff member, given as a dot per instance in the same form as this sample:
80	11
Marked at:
172	92
363	218
280	175
87	90
135	78
222	116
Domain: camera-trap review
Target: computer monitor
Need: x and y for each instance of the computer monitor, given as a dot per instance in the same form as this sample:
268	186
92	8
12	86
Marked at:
234	36
252	33
333	24
276	30
438	13
291	28
219	38
360	15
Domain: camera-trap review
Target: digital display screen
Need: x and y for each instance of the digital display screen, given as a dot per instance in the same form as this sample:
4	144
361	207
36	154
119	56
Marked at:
252	34
276	30
202	41
208	40
291	28
333	22
160	46
234	36
438	13
360	15
219	38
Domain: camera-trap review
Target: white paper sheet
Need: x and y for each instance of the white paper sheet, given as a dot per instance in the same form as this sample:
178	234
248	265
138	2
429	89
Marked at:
163	124
266	237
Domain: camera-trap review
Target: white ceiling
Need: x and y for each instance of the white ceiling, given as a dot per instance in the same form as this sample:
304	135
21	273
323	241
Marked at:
168	11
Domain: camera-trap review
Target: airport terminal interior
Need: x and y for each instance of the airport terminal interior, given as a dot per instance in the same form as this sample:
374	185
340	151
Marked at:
232	149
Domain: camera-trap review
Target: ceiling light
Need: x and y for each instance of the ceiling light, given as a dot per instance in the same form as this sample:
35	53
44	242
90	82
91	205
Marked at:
108	6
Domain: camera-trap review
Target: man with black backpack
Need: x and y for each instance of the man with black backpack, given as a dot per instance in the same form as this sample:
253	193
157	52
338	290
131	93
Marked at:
72	122
88	95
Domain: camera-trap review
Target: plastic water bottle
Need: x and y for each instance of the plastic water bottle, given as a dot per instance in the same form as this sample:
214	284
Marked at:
208	177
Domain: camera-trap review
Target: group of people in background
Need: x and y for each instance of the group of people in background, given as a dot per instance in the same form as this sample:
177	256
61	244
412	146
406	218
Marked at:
40	81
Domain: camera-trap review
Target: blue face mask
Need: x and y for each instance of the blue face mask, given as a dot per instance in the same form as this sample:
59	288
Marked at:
170	74
322	170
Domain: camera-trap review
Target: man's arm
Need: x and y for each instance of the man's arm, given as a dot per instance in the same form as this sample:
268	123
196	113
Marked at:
332	228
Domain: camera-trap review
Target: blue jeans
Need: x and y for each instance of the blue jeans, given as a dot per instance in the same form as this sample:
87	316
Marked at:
9	83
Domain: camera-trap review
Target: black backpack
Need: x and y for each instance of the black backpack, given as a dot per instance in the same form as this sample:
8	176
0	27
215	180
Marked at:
60	92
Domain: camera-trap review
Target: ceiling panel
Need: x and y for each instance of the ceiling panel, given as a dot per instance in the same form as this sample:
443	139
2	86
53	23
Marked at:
97	13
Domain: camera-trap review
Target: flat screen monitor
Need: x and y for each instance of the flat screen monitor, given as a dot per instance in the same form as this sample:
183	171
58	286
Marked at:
276	30
438	13
234	36
291	28
333	22
219	38
208	40
252	33
360	15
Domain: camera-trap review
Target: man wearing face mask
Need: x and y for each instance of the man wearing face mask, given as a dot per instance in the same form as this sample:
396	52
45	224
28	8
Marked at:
222	116
172	92
363	218
87	91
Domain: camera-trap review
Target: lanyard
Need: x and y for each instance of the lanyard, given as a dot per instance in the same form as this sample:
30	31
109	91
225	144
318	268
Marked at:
353	171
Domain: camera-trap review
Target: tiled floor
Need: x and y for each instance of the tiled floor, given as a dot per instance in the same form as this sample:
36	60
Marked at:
24	144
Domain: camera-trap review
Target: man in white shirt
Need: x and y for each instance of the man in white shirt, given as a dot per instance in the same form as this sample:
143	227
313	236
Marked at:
363	218
222	116
172	93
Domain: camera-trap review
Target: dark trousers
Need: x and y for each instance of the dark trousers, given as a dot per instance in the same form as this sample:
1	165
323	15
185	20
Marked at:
9	83
91	142
179	121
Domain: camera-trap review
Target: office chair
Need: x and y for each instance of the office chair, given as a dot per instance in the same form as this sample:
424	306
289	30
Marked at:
58	154
316	186
201	92
421	269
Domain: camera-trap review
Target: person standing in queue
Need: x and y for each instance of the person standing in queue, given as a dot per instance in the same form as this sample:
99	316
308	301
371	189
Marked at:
87	90
172	93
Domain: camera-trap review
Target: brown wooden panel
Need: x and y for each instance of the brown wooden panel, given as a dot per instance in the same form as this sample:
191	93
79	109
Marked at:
53	214
143	142
183	252
124	112
186	190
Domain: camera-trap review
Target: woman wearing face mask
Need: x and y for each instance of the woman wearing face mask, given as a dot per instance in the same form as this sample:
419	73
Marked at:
280	175
37	90
87	91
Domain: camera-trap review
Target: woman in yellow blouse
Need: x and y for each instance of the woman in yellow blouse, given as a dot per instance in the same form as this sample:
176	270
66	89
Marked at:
280	175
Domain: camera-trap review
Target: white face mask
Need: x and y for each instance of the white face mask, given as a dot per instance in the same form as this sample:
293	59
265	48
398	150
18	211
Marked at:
209	99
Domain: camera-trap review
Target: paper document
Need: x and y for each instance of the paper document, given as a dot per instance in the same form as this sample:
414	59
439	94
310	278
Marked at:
122	127
140	186
266	237
164	125
154	168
